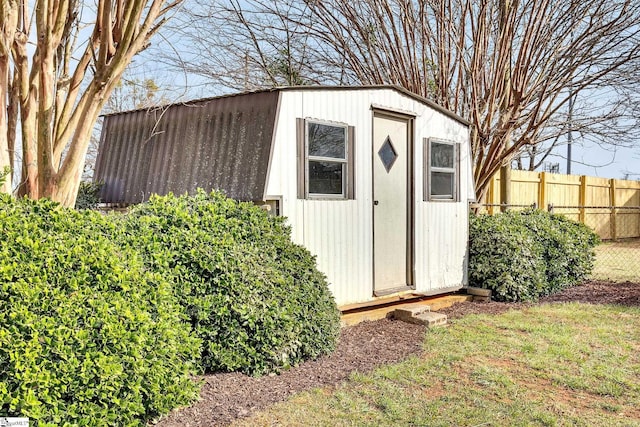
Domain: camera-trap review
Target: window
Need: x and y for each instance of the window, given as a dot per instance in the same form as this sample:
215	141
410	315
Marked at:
325	160
442	170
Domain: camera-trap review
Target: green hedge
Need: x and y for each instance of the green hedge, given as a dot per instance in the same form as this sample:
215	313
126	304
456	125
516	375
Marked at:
88	335
255	299
88	195
103	317
522	256
4	173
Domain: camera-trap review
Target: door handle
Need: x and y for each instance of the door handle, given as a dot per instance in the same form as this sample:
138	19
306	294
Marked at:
375	203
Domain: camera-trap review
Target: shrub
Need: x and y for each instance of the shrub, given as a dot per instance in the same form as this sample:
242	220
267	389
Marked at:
4	173
504	257
568	248
88	195
255	299
88	335
521	256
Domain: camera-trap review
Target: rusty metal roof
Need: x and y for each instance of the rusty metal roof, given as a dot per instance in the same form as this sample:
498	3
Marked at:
220	143
397	88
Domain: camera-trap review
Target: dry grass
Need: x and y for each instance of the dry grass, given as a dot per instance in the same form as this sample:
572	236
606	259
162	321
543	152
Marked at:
551	365
618	261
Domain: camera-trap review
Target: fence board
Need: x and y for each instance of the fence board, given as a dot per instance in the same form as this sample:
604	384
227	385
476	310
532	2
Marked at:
602	204
527	185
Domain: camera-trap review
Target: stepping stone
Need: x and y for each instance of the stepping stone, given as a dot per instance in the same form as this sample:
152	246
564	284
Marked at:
481	292
410	311
420	316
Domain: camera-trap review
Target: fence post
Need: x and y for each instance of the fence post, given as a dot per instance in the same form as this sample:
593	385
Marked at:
505	187
612	200
542	190
491	195
582	200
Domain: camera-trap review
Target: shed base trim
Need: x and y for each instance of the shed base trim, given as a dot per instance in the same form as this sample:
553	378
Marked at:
440	291
393	290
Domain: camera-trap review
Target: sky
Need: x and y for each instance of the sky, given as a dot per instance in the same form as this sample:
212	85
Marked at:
593	160
588	158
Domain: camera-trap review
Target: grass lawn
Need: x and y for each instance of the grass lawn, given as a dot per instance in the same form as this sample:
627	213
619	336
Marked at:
618	261
570	364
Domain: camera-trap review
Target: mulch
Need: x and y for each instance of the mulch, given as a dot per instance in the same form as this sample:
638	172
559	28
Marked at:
361	348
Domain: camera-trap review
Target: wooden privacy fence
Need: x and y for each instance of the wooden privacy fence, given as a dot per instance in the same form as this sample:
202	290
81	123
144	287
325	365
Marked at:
609	206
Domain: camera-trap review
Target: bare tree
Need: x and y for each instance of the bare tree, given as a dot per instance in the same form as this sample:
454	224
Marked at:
509	66
604	117
241	49
8	114
56	73
130	93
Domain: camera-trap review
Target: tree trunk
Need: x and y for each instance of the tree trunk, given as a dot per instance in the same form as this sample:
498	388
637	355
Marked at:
70	173
59	86
8	24
5	158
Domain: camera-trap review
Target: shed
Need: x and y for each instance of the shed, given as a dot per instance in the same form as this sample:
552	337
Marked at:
374	180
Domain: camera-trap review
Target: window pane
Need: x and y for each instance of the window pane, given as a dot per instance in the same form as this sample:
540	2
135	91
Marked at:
442	155
388	154
325	177
442	184
327	141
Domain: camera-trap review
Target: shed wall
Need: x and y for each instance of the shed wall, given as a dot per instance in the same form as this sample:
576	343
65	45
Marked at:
339	232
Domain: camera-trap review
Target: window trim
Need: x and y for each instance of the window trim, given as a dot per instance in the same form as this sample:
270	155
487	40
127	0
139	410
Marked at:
334	160
347	162
429	169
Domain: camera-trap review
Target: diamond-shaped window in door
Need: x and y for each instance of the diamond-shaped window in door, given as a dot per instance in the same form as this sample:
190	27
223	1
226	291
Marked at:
387	154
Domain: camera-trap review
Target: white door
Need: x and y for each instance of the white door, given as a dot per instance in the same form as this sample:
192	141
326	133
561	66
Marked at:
392	203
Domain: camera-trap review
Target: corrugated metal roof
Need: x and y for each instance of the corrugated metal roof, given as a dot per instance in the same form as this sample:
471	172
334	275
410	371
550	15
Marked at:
218	143
221	143
400	89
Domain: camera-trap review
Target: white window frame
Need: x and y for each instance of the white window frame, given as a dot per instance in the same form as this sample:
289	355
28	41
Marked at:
429	170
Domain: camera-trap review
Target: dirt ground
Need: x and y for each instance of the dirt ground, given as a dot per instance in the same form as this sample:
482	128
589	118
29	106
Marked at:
362	348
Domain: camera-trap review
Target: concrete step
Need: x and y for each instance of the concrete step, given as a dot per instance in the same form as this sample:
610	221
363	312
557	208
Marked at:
432	319
409	311
420	316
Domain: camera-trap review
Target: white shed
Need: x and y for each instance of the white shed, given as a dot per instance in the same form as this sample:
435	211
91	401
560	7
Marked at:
374	180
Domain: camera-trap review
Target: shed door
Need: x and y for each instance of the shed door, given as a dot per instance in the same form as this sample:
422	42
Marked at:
392	203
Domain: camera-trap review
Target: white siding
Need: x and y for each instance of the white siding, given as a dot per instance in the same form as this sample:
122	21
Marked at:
441	227
339	232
